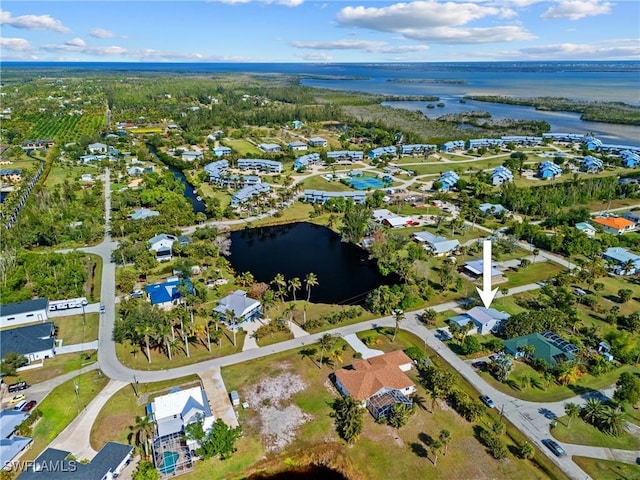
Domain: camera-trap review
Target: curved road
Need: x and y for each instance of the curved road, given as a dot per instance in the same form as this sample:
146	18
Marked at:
532	418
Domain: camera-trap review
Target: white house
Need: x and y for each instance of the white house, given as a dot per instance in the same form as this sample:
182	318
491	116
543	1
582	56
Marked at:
29	311
297	146
484	320
97	148
433	243
318	142
244	308
191	156
36	342
162	245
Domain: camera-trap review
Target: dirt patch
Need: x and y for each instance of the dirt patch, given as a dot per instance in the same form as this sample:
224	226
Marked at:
278	419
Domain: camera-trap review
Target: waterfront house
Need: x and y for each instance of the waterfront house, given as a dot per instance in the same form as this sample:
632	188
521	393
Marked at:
35	342
217	171
28	311
522	140
192	156
501	175
244	308
586	228
378	383
270	147
321	196
248	192
439	246
592	143
615	225
564	137
622	261
318	142
484	320
548	170
630	159
297	145
448	180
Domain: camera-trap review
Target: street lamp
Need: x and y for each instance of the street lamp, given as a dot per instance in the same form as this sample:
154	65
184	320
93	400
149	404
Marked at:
76	387
84	319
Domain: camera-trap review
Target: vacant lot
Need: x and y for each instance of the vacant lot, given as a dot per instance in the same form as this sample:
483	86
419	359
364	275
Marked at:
73	330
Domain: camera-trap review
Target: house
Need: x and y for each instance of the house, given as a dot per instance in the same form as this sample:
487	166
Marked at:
297	146
177	409
135	171
633	216
97	148
439	246
592	164
397	221
586	228
494	209
448	180
381	214
549	169
604	349
615	225
28	311
217	171
484	142
321	196
167	294
270	147
9	421
91	158
10	448
297	124
244	308
222	151
346	155
452	146
419	148
522	140
86	178
624	262
215	135
261	164
630	159
192	156
143	213
248	192
380	151
12	175
501	175
484	320
317	142
54	464
306	160
378	382
473	268
592	143
162	245
564	137
546	346
35	342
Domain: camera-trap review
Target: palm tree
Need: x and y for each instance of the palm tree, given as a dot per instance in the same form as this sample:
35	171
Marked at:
188	331
428	317
535	253
142	431
166	336
294	285
280	283
146	331
326	342
572	410
593	410
311	280
611	420
335	354
230	317
435	447
398	316
445	438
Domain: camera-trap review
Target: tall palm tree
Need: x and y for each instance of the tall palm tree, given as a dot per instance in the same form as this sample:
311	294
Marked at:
294	285
142	431
445	439
166	336
572	410
311	280
611	420
326	342
398	316
146	332
435	447
231	319
280	283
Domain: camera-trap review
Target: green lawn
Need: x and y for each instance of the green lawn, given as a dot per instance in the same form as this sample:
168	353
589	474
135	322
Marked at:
242	147
318	182
275	338
608	469
61	407
53	367
120	411
71	330
440	167
580	432
535	272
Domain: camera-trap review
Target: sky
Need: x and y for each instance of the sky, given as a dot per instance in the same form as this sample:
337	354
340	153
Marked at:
319	31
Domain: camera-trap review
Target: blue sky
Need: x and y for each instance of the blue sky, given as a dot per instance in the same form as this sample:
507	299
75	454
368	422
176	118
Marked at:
320	31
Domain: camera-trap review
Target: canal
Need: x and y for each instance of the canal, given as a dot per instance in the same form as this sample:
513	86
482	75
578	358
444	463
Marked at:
345	274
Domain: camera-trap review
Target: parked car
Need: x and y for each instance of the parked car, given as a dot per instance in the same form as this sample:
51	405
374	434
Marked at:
17	387
487	401
29	406
102	309
552	445
17	398
20	405
479	364
136	294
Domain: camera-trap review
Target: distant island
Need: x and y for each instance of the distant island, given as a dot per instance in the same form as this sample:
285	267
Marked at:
427	81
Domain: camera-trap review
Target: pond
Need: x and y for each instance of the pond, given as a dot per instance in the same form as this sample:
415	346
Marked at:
345	274
311	472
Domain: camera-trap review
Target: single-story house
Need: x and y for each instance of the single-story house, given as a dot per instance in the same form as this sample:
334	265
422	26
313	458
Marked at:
244	308
91	158
501	175
35	342
135	171
493	209
549	169
306	160
433	243
221	151
86	177
297	145
9	421
54	464
318	142
624	262
167	294
397	221
586	228
191	156
10	448
97	148
382	213
547	346
297	124
615	225
473	268
378	382
484	320
142	213
28	311
633	216
162	245
270	147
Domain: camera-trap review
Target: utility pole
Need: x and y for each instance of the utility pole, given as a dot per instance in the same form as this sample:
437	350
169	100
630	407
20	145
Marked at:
135	386
76	387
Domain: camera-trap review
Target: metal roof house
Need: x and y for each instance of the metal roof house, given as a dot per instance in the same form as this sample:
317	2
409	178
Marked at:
501	175
162	245
297	145
522	139
473	268
248	192
222	151
142	213
564	137
484	142
586	228
633	216
29	311
270	147
306	160
452	145
549	169
244	308
592	164
433	243
321	196
191	156
448	180
346	155
592	143
166	294
54	464
10	448
625	262
217	171
318	142
493	209
260	164
97	148
544	348
380	151
418	148
630	159
484	320
35	342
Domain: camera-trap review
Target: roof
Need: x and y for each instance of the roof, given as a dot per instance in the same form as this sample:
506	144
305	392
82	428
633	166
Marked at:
107	460
475	266
497	208
9	420
27	306
161	237
142	213
484	315
10	447
365	378
617	223
437	244
238	302
29	339
585	226
318	140
621	255
543	348
167	291
397	221
179	408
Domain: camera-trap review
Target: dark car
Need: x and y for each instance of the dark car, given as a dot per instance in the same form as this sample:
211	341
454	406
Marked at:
487	401
29	406
552	445
102	309
17	387
479	364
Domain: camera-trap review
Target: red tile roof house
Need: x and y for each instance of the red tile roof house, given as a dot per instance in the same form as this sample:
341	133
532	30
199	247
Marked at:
378	382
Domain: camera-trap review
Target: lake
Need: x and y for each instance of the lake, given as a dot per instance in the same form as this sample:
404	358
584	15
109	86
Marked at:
345	274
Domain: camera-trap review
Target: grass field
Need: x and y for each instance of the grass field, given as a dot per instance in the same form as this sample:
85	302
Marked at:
318	182
71	330
242	147
608	469
582	433
535	272
60	408
56	366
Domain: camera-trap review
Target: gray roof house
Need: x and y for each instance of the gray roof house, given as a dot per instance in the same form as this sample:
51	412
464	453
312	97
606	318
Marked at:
9	421
28	311
97	148
437	245
11	447
162	245
142	213
484	320
244	308
36	342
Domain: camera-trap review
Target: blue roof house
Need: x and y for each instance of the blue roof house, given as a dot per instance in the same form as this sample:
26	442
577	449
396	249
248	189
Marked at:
244	308
484	320
493	209
452	145
318	142
501	175
221	151
586	228
592	164
630	159
592	143
624	262
448	180
297	124
378	152
297	145
474	268
306	160
165	295
270	147
548	170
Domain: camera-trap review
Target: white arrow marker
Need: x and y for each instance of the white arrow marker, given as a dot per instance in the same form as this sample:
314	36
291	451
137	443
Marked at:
486	294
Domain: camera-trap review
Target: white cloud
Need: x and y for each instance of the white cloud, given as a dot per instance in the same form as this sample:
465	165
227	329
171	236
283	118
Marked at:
75	42
101	33
366	45
315	57
88	50
617	49
577	9
15	44
33	22
431	21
